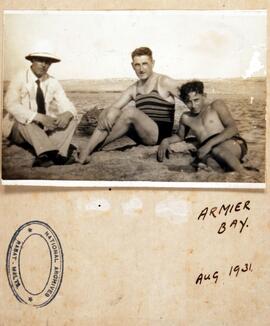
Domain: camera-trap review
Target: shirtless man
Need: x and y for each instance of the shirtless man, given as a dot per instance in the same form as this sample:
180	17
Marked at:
213	126
152	117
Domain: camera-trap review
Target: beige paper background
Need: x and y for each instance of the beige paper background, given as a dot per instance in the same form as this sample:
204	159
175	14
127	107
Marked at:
132	256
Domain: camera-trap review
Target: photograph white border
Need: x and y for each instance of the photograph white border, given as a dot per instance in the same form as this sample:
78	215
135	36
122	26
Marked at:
137	184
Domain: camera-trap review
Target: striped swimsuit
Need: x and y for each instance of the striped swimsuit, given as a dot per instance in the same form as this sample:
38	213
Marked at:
159	110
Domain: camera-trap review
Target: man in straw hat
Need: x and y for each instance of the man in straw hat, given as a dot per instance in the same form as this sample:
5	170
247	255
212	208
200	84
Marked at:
39	112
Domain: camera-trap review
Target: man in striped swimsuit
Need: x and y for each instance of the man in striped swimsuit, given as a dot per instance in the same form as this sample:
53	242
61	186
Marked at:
152	117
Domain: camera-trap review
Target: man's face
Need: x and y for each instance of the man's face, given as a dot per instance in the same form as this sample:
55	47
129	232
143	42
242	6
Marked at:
40	66
143	66
195	102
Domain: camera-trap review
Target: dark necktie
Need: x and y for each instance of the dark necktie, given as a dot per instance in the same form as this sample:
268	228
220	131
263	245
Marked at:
40	99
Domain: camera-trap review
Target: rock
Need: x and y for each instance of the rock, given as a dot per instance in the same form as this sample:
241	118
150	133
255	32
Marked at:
88	122
183	147
119	144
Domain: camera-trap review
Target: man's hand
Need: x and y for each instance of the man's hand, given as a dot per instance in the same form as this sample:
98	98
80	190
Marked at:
47	121
63	119
163	150
107	119
204	150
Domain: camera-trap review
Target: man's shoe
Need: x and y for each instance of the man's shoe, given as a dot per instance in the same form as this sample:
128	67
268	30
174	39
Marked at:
69	159
42	160
71	150
64	160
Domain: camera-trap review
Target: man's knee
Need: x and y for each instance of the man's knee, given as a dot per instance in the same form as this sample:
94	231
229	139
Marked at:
19	133
28	127
151	141
129	114
219	151
20	127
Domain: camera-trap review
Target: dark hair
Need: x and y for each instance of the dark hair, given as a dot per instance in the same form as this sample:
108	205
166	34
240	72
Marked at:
142	51
193	86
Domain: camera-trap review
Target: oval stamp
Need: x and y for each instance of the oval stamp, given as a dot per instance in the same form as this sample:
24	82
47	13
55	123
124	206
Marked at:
55	276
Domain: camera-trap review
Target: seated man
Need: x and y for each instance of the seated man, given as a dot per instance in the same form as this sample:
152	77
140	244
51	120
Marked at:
152	117
213	126
39	112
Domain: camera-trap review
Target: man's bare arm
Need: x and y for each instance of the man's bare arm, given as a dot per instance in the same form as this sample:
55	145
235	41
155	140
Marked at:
172	86
106	121
164	147
108	116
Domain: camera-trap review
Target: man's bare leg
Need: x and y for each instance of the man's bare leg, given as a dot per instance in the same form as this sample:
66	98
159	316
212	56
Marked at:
213	164
230	153
146	128
97	137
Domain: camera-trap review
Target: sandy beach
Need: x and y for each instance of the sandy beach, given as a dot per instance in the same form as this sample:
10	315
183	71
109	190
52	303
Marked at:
126	161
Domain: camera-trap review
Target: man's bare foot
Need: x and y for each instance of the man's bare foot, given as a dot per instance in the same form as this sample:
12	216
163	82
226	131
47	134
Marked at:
82	157
87	160
213	164
243	171
204	167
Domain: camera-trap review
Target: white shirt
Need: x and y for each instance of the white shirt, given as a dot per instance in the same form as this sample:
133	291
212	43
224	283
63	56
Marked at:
20	99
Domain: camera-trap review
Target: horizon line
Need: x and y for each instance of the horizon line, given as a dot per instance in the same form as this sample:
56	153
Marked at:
131	79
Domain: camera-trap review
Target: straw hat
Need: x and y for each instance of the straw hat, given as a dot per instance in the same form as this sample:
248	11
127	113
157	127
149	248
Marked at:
43	50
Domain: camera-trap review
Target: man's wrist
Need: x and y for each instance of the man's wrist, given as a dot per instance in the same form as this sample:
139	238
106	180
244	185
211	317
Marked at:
69	115
114	110
38	117
165	141
211	144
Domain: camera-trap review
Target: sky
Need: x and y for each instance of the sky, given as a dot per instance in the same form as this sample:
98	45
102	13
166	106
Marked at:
98	44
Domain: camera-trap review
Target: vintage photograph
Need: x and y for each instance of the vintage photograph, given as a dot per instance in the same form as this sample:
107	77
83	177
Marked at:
135	98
